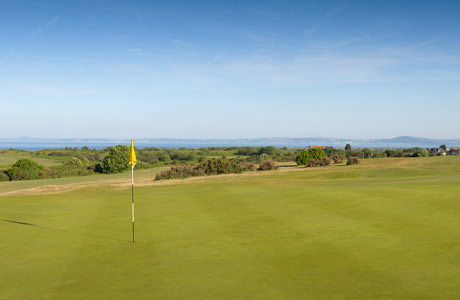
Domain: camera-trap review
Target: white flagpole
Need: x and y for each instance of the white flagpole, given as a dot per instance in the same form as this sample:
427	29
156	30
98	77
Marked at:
132	195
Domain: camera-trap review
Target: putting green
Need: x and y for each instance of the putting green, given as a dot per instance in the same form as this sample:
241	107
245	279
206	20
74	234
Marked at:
385	229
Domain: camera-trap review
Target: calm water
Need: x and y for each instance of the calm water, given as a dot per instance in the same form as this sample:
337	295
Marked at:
39	145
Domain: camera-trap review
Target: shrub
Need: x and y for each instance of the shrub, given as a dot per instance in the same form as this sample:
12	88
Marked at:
325	161
379	154
183	156
117	161
313	163
26	169
421	153
179	172
367	152
304	157
96	168
352	160
85	161
330	151
4	176
68	170
267	165
220	166
247	151
394	153
57	153
75	162
338	158
354	153
210	167
269	150
263	157
249	166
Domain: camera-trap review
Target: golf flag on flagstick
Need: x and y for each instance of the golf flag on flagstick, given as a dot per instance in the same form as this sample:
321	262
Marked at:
132	163
132	155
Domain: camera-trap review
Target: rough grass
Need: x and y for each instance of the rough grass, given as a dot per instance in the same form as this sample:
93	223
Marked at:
72	183
385	229
9	157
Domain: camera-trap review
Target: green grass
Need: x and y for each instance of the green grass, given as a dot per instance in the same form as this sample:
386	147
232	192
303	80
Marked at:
386	229
9	186
9	157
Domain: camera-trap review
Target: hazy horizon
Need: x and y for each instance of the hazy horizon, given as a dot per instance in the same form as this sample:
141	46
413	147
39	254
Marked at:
237	138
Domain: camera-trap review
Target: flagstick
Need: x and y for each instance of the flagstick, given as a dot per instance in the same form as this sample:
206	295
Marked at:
132	195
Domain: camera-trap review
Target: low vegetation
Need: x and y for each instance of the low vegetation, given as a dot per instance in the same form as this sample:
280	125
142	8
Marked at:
352	160
26	169
267	165
323	162
4	176
306	156
338	158
210	167
53	163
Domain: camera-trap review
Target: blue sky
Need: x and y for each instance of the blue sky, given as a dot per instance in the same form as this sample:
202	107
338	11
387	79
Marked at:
230	69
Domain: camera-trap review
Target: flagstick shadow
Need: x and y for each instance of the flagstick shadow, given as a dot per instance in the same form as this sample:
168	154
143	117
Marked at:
66	231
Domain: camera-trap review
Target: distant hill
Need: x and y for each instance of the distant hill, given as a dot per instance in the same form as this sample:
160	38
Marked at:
30	143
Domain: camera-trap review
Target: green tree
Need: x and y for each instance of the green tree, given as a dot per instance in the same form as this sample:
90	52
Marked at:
26	169
394	153
304	157
269	150
367	152
421	153
117	160
164	157
350	153
443	147
347	147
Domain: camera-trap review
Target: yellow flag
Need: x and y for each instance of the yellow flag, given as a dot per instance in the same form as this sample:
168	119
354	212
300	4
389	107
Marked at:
132	155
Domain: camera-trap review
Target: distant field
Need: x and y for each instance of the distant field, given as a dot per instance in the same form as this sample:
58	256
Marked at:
385	229
10	157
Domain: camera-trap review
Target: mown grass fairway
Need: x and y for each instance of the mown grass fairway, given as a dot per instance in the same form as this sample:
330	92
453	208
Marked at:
385	229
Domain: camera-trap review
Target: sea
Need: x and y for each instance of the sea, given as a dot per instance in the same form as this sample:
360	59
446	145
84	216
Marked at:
57	145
